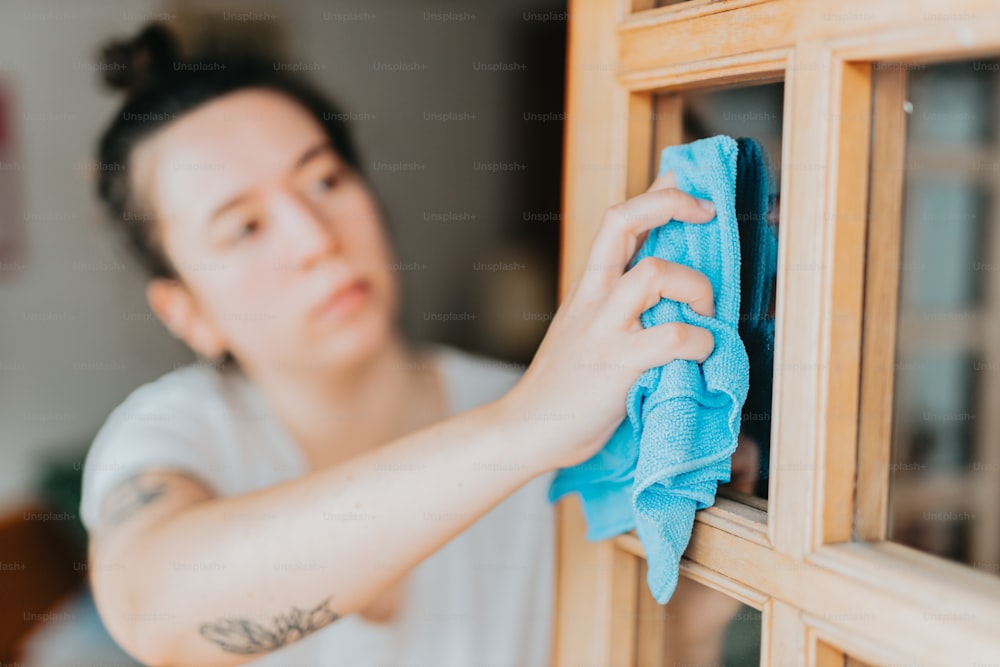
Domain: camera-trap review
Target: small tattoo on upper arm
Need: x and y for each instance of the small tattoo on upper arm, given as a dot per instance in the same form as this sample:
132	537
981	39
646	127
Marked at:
131	496
241	635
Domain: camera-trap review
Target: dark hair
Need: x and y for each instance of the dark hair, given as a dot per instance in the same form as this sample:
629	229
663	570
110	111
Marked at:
161	87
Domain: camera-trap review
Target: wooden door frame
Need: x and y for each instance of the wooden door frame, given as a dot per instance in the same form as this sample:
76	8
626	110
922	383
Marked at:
802	562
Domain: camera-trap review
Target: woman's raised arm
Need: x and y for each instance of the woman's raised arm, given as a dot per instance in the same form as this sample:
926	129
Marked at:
179	581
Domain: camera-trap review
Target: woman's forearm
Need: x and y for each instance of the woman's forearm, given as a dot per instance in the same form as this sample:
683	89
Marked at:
218	578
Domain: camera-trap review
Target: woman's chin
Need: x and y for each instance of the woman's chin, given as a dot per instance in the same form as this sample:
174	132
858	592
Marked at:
352	343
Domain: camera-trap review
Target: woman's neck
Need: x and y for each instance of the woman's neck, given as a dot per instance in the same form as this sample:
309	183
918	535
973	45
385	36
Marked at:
332	418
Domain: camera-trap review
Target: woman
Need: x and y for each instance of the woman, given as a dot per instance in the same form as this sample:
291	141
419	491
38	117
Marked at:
332	494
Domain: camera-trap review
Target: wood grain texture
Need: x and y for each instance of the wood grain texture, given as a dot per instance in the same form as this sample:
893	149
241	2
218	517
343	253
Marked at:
885	221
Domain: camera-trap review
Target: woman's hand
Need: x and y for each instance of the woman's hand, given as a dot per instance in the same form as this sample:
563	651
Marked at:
596	346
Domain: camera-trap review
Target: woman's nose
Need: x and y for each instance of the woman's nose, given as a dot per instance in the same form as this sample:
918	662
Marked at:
307	236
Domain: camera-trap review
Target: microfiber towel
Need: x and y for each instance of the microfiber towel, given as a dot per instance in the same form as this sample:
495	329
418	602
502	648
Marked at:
604	482
668	456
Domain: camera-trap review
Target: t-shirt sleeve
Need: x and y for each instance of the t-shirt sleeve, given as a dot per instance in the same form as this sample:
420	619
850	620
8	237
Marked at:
479	378
166	424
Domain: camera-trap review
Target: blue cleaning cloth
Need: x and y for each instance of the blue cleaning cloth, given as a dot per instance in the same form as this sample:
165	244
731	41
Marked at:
668	456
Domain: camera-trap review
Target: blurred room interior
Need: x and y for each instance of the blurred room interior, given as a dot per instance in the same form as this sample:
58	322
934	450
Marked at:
77	336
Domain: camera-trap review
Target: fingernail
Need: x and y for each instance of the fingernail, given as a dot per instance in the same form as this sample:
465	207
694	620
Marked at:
707	205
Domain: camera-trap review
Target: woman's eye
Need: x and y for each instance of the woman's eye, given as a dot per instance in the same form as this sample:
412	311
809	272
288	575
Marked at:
329	181
248	228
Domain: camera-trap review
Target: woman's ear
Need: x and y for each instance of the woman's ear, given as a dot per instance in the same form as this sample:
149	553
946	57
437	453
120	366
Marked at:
175	306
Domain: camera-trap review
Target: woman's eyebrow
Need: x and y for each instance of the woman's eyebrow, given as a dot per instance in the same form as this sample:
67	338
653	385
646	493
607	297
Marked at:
309	154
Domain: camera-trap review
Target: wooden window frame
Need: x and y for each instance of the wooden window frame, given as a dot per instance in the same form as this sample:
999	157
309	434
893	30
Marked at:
820	553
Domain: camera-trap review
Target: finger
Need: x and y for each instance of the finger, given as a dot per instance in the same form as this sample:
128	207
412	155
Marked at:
667	180
663	181
663	343
653	278
617	237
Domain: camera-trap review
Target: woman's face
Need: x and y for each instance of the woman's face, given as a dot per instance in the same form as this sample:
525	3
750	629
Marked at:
282	252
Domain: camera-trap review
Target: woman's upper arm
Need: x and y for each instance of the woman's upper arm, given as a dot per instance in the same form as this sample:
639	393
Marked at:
129	512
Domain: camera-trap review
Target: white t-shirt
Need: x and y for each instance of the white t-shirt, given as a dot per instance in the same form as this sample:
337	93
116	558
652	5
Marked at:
485	598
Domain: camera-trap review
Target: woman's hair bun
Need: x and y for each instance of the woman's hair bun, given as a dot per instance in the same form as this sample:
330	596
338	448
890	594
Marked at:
132	64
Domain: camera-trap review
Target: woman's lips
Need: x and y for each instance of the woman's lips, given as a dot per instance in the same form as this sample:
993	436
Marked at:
345	301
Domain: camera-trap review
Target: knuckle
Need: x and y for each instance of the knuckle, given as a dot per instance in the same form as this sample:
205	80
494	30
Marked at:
644	270
649	270
676	334
672	197
615	216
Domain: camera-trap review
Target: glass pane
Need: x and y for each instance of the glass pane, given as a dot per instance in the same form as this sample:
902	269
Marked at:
944	493
699	626
753	112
